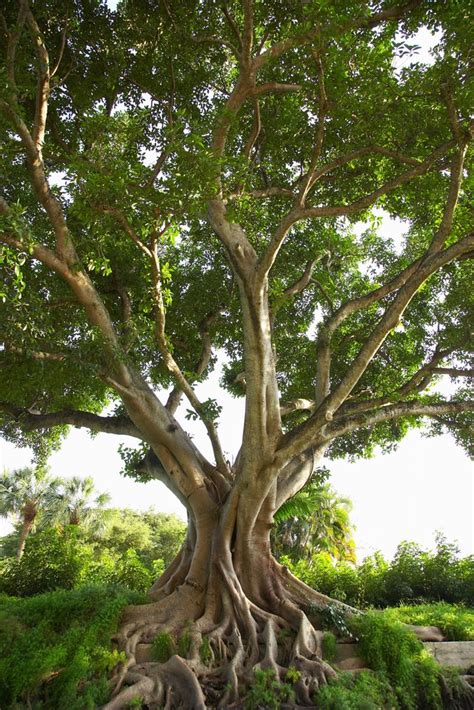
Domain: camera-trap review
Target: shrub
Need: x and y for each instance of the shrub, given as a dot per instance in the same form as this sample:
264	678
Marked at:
389	647
329	646
55	647
132	573
414	575
53	559
163	647
456	622
267	692
366	691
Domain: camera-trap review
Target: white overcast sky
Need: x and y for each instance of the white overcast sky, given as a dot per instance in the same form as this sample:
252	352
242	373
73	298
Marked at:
425	486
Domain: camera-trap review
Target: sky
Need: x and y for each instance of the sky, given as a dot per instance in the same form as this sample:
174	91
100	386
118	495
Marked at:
425	486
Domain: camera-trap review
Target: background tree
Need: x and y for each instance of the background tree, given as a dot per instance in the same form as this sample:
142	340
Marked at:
78	503
153	535
315	520
181	179
25	494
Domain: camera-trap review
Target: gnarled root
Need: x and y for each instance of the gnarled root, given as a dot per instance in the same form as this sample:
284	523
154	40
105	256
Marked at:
239	637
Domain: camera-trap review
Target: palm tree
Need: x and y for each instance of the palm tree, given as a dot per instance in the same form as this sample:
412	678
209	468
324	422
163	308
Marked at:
315	520
79	504
25	494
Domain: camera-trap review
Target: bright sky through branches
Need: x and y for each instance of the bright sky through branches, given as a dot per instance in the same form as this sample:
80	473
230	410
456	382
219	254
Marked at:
426	485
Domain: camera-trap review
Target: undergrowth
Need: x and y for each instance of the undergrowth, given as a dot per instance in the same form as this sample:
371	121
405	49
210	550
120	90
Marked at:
364	691
267	692
403	675
388	647
55	647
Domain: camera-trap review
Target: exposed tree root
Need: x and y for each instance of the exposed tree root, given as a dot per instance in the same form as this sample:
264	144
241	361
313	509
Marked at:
227	642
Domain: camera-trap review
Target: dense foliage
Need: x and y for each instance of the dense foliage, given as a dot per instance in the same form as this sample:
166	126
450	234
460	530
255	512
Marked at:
413	575
315	520
132	550
55	648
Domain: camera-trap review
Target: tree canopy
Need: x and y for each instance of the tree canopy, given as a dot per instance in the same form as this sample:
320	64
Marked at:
182	179
143	123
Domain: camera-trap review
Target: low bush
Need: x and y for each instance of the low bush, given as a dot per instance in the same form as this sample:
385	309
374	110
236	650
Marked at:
60	558
53	559
55	647
267	692
390	648
365	691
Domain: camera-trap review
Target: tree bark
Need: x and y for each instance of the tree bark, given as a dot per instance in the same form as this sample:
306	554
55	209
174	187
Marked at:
26	528
225	590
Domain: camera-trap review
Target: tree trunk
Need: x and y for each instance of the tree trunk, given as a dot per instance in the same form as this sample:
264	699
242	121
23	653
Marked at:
26	528
238	607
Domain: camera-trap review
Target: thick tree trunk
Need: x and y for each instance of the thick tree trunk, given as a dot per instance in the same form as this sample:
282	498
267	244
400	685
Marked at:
227	593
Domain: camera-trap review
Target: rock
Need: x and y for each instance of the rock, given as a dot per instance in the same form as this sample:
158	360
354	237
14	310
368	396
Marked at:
426	633
351	664
459	654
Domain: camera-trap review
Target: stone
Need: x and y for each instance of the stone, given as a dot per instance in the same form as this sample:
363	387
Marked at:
459	654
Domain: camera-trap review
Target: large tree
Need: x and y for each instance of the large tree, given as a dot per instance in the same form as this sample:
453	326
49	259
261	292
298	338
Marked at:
185	177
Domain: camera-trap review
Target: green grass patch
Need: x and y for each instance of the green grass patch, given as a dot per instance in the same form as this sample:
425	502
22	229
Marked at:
55	647
163	647
455	621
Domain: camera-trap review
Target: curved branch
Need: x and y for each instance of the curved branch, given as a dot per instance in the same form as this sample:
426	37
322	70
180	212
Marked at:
31	420
297	405
395	411
203	362
391	13
299	213
302	437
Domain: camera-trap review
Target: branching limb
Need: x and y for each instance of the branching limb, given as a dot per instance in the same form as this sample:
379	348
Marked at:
271	86
370	199
418	382
445	227
297	405
342	160
299	213
300	284
395	411
172	365
203	363
232	24
300	439
262	194
43	84
308	179
392	316
255	132
247	34
395	12
13	38
453	372
122	220
31	420
61	49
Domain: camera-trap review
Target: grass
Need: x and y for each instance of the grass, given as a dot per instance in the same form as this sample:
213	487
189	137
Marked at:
455	621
